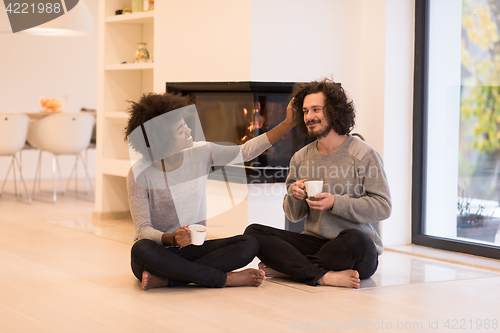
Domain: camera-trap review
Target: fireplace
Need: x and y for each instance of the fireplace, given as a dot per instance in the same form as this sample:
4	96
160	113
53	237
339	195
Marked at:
235	112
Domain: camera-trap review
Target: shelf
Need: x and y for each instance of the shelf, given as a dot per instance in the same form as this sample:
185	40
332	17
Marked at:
113	167
131	66
119	83
134	18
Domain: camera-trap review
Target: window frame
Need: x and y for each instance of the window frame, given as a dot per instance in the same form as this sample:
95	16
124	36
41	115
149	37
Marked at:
420	148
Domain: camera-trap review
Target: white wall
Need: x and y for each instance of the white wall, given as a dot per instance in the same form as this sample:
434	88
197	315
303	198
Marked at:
398	106
201	41
443	117
292	41
372	68
32	65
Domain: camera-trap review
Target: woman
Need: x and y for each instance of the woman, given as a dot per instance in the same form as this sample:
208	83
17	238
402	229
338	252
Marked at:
167	192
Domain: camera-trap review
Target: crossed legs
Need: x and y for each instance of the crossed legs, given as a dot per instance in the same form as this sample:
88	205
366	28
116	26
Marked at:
341	261
209	265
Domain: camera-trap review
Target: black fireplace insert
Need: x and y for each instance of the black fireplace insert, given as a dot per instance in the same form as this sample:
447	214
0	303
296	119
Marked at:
235	112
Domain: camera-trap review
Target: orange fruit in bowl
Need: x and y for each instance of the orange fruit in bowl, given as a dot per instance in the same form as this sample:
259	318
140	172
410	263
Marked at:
43	102
50	104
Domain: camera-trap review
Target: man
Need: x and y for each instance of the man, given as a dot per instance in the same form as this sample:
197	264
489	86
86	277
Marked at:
341	241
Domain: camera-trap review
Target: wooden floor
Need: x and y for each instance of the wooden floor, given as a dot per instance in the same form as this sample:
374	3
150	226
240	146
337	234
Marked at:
60	272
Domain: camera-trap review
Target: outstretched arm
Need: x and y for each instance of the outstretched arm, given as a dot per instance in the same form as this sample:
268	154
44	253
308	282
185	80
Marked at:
223	155
278	131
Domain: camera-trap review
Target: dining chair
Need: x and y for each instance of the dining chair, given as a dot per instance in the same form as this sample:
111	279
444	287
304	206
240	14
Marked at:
61	134
359	136
13	132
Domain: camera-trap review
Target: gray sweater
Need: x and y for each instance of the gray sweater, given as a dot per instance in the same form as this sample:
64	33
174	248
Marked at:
354	173
161	202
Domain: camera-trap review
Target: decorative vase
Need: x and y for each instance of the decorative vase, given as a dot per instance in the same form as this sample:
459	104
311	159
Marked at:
137	6
142	54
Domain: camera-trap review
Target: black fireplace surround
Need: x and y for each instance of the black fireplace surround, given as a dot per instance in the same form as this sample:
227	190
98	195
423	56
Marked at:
234	112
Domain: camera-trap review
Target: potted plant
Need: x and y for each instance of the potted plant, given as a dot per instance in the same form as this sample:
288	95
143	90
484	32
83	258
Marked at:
475	225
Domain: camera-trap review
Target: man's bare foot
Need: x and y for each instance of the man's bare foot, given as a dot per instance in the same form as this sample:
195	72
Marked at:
271	272
348	278
247	277
152	281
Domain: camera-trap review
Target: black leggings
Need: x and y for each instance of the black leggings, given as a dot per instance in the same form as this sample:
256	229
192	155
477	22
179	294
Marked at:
205	265
306	258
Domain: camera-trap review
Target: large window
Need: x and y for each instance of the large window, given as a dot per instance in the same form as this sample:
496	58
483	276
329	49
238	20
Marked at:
457	126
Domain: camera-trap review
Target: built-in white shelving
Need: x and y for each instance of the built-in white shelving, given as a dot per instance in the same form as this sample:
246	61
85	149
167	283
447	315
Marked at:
128	66
132	18
115	167
120	81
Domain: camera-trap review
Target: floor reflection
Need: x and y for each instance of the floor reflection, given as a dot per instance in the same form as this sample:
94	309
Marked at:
395	268
401	269
118	230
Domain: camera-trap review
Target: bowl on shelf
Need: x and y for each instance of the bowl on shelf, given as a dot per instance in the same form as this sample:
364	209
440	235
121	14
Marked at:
52	103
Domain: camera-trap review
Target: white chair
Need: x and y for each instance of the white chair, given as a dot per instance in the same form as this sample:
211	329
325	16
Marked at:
61	134
13	132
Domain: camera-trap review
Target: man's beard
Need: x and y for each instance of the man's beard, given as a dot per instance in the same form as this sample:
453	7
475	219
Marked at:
320	133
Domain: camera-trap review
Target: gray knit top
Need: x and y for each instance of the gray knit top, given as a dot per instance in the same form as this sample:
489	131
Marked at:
161	202
354	173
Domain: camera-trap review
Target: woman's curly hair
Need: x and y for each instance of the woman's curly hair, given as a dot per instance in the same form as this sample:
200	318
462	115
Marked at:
150	106
338	108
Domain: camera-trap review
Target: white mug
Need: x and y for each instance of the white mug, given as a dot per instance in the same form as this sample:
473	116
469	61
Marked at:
313	187
198	233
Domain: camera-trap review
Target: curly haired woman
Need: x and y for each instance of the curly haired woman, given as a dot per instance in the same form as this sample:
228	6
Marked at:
167	192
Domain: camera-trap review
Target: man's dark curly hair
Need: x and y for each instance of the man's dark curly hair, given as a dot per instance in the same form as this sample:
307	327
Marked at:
339	110
150	106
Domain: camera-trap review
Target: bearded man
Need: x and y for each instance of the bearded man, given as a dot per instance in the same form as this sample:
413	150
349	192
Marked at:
342	241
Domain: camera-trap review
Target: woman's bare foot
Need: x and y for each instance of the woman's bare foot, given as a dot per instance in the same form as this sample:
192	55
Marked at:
271	272
348	278
247	277
152	281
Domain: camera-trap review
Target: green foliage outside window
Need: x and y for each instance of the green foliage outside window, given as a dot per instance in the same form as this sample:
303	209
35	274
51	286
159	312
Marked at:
481	72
